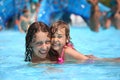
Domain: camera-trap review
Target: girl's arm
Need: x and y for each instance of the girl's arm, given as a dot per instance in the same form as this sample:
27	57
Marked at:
109	59
75	54
78	56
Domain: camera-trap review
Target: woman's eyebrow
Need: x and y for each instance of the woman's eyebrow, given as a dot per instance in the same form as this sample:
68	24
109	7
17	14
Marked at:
59	34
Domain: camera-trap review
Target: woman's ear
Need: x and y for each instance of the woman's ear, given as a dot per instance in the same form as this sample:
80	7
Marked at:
31	45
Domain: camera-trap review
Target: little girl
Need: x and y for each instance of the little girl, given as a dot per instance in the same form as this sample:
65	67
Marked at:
60	43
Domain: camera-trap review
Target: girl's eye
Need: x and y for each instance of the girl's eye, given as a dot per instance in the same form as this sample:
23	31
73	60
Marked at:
47	42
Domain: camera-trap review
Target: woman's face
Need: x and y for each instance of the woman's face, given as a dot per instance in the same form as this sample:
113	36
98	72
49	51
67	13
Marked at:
41	44
58	39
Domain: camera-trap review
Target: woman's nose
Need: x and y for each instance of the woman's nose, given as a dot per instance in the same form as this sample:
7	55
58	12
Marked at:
55	39
44	46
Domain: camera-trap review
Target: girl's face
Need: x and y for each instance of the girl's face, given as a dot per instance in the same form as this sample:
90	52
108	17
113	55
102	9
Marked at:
41	44
58	39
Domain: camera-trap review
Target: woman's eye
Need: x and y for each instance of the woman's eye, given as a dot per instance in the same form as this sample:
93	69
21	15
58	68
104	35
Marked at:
39	43
53	36
59	36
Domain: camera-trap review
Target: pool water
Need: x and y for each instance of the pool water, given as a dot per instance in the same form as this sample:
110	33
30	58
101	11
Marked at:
105	43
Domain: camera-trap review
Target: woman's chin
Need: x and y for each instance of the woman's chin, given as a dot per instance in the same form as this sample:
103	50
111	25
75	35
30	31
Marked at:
43	57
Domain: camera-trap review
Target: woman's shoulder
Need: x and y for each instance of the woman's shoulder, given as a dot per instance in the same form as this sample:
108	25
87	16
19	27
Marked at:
42	62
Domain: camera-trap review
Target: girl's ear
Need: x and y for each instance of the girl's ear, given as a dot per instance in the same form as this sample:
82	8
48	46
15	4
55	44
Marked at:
67	41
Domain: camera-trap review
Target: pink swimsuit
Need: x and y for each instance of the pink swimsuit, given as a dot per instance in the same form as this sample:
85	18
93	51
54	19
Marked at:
61	59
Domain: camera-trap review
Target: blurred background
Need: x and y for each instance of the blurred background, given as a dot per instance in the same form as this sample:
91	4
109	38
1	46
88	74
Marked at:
19	14
94	29
12	11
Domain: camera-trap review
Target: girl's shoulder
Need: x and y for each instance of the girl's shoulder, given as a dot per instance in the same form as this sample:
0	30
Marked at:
69	45
69	49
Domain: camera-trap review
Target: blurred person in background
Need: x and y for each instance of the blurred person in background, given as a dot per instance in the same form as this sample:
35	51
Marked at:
116	17
94	22
24	21
0	28
35	13
34	4
98	14
53	10
113	16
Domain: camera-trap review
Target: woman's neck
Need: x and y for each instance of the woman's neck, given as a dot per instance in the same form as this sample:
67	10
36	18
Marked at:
36	59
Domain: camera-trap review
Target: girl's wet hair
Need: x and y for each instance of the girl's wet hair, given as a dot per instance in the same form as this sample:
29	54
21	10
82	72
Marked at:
59	25
33	29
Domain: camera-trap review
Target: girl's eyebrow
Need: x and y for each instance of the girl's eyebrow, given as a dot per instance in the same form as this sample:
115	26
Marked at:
59	34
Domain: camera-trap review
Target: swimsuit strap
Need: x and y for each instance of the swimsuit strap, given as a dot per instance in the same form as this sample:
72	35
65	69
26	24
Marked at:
62	54
61	58
70	45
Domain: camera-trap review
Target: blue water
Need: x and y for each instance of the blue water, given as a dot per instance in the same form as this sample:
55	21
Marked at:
106	43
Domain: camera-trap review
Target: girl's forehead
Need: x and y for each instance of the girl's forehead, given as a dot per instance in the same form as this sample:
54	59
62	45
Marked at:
60	30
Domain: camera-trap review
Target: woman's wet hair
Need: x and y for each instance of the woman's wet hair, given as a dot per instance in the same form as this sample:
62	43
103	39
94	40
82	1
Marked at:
33	29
